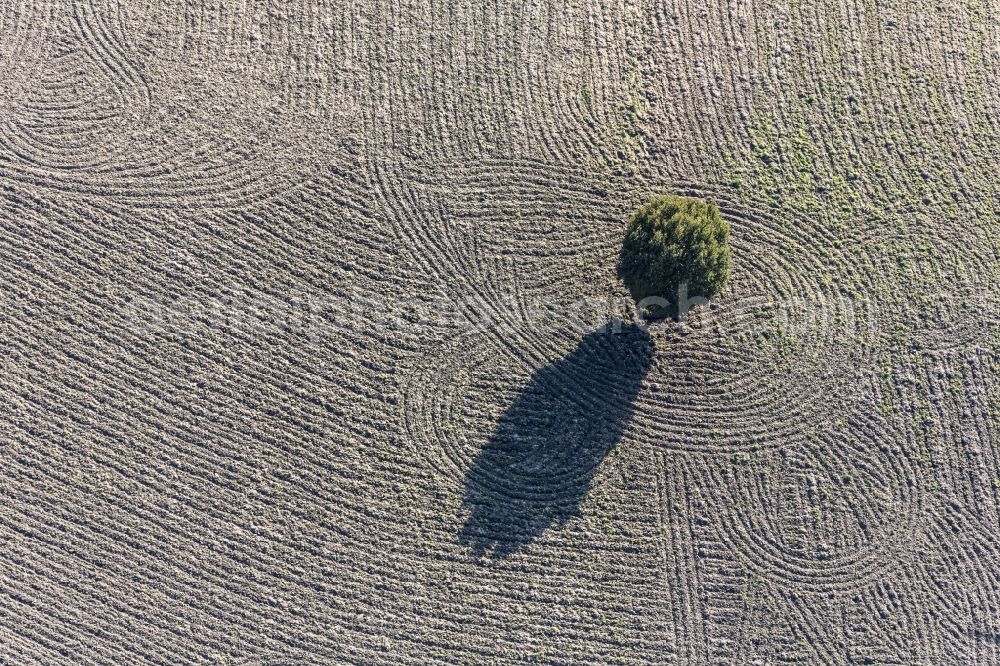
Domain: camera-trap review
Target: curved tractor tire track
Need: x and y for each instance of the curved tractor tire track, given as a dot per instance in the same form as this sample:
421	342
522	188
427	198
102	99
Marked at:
312	349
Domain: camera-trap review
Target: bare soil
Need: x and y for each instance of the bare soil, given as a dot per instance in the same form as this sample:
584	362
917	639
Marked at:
313	351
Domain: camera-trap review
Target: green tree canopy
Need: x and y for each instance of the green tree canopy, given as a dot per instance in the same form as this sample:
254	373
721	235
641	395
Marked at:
675	248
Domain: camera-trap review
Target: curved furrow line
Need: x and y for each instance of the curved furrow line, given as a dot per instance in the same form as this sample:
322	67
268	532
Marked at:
111	54
90	152
460	453
958	575
795	550
302	313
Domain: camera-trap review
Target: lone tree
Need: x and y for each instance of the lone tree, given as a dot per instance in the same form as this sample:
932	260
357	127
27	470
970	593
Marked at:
676	249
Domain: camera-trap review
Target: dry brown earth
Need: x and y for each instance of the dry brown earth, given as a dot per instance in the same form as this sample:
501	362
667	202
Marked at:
279	386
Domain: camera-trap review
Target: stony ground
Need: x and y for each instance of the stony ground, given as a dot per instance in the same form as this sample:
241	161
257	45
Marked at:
303	308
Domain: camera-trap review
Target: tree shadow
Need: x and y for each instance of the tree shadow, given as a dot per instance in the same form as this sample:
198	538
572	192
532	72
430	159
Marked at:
538	465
